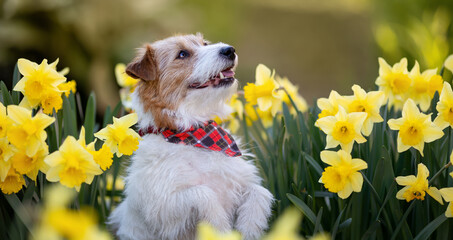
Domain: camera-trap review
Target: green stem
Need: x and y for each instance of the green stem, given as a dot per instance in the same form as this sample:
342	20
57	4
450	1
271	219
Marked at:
372	188
402	220
439	172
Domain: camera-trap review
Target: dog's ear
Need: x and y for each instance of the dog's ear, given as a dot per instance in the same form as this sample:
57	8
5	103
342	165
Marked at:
144	67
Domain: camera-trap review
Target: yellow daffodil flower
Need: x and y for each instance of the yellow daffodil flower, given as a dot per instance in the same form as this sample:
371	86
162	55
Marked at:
329	106
447	194
5	122
253	114
415	128
369	103
119	137
27	133
263	92
287	226
237	112
51	101
417	187
342	176
445	108
6	152
421	82
448	64
13	182
435	85
293	92
127	84
122	78
30	166
37	81
394	82
71	165
343	129
206	232
68	87
103	157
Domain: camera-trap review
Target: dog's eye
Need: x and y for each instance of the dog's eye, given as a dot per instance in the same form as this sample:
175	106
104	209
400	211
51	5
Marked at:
205	43
183	54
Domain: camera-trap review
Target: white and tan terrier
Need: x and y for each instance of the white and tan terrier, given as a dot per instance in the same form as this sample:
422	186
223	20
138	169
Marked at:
187	169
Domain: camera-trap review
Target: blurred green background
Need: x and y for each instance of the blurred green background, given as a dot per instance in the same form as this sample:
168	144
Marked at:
319	44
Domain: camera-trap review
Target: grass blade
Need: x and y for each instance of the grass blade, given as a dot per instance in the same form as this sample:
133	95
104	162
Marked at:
304	208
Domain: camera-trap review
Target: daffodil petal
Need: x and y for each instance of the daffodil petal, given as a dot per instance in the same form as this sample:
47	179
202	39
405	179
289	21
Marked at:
346	191
356	181
406	180
435	193
400	193
447	194
330	157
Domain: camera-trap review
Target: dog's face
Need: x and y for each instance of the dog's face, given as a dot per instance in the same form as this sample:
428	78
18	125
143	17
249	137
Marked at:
185	81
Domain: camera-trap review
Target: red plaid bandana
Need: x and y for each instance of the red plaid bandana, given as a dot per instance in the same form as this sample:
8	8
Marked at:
210	136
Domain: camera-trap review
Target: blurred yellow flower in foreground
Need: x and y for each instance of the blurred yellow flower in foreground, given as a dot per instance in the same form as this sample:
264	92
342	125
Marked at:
343	129
445	107
415	187
329	106
369	103
60	222
38	81
119	137
286	227
447	194
263	92
415	128
207	232
420	92
12	183
342	176
394	82
71	165
28	133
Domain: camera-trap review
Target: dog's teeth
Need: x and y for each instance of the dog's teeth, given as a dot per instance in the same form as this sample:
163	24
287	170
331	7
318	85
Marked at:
221	75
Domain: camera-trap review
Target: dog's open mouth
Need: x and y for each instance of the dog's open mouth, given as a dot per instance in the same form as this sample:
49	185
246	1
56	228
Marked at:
224	78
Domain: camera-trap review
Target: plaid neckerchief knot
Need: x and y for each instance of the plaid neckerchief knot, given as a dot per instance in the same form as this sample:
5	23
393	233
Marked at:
210	136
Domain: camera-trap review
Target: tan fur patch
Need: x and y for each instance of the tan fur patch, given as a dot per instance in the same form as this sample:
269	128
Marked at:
163	95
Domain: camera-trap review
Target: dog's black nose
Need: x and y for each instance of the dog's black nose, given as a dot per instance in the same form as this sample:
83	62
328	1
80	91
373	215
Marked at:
228	52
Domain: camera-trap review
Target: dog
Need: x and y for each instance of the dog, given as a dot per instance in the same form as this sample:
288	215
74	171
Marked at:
184	82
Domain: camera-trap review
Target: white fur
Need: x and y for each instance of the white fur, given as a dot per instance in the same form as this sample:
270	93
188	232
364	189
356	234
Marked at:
170	188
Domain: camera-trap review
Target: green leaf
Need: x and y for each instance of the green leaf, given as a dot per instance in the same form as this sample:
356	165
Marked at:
304	208
371	230
426	232
7	100
20	210
337	224
313	163
69	122
90	118
16	77
318	226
